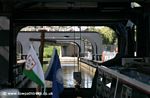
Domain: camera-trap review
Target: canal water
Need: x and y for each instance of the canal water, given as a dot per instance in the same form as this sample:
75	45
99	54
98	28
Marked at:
69	82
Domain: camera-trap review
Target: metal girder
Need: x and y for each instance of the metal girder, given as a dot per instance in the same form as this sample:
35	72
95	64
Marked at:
13	5
69	16
73	12
34	4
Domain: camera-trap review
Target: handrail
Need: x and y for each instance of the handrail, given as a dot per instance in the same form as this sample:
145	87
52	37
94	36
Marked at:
126	79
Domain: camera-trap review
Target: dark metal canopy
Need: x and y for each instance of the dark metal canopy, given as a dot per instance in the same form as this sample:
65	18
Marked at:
15	5
38	12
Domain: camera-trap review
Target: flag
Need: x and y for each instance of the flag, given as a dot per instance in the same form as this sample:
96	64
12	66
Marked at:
54	74
33	69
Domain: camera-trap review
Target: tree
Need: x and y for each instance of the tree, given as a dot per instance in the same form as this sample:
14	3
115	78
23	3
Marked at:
108	34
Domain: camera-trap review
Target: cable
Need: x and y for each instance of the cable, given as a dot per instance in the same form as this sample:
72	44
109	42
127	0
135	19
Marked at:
74	50
79	68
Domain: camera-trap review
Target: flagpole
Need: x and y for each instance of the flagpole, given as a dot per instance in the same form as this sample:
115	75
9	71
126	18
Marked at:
38	89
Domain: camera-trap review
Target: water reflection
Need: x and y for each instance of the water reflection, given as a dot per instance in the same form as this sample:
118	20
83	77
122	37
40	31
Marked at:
68	76
69	82
68	79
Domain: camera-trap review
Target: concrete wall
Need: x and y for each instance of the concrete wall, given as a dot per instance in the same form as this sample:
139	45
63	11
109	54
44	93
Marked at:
70	50
94	37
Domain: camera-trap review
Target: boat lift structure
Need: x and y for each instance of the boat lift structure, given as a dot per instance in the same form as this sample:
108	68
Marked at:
127	73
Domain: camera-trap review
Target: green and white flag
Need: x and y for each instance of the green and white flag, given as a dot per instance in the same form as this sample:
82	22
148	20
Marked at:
33	69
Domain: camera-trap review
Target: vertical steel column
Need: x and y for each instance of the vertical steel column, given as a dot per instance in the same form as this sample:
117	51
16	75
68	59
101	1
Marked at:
38	89
131	42
143	36
42	46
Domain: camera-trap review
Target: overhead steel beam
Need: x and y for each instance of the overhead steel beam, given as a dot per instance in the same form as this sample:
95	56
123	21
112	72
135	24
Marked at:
86	16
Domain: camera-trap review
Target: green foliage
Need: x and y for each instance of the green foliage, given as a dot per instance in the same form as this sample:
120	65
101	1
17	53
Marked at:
48	50
60	28
108	34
